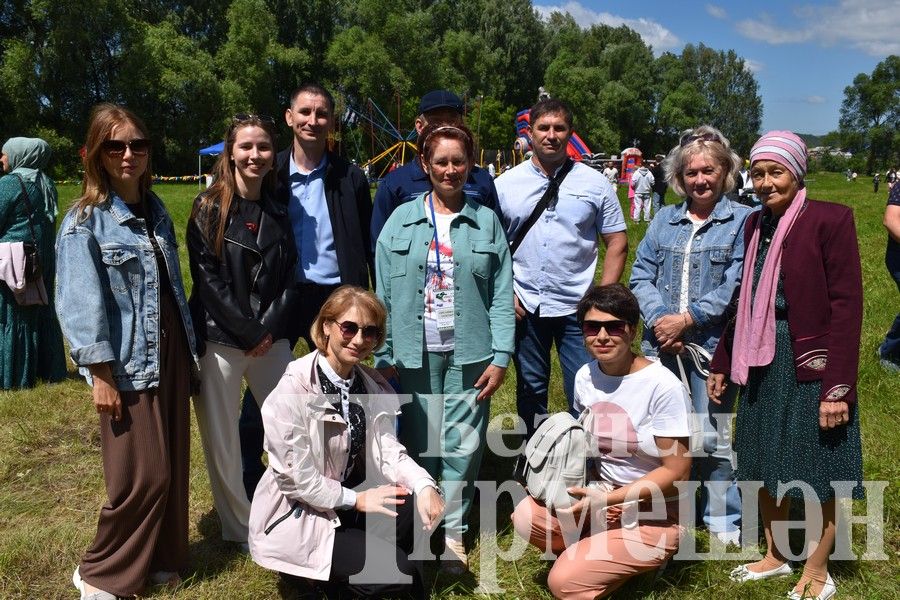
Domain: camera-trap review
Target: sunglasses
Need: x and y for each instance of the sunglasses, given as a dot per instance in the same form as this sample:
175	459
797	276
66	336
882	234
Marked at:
615	328
349	329
139	147
242	118
704	137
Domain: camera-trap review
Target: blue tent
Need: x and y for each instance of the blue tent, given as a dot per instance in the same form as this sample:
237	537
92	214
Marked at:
209	151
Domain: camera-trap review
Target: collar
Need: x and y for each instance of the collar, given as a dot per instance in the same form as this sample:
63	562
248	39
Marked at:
417	173
721	212
538	170
417	214
334	377
122	214
293	171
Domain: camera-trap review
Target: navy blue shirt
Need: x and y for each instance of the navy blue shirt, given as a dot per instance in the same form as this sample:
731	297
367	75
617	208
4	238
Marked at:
403	184
894	199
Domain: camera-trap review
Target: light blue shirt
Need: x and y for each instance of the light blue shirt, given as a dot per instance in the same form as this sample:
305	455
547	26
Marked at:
317	257
554	265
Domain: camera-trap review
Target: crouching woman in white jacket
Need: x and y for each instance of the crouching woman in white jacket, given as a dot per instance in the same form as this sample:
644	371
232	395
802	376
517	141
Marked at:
336	500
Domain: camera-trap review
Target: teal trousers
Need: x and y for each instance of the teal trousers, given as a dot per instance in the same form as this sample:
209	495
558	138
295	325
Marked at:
444	429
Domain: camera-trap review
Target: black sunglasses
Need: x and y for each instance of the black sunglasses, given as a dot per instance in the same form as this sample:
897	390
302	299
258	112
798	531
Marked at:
241	118
139	147
705	137
614	328
349	329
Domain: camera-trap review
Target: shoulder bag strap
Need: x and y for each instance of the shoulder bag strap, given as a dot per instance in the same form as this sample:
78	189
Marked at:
29	208
549	196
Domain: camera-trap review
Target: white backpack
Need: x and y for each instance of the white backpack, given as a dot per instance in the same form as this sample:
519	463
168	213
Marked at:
556	459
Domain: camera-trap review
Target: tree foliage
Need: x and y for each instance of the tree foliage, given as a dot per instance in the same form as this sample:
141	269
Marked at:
187	67
870	113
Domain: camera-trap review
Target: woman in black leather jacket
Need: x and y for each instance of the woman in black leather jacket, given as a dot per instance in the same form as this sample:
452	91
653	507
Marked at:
242	256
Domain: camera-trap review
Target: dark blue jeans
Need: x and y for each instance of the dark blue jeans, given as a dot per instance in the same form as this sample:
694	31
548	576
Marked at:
535	336
890	348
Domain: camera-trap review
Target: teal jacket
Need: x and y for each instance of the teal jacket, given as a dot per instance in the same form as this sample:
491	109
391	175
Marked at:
485	318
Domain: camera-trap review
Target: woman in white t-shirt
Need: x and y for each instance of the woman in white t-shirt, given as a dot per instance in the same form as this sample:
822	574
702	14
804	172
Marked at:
625	520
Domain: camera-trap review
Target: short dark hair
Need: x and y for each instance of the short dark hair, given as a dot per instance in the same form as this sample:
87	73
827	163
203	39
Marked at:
551	106
314	89
613	298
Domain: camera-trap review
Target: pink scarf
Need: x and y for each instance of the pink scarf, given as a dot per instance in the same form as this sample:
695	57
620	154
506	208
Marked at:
754	333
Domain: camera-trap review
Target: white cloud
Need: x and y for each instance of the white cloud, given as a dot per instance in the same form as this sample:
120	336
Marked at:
814	100
870	26
755	66
716	11
653	34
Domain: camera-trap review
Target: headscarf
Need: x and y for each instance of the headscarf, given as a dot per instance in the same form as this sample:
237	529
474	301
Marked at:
754	333
28	158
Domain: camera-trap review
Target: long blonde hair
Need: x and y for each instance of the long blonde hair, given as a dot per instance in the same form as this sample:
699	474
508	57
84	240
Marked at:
211	213
96	186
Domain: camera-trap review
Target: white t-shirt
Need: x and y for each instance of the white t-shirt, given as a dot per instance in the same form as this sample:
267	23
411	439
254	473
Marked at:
628	413
685	297
438	317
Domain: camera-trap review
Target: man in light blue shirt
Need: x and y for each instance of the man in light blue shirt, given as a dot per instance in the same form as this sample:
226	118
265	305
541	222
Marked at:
556	261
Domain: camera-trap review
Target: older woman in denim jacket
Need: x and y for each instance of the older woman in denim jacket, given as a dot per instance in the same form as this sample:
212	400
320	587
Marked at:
684	275
122	307
445	274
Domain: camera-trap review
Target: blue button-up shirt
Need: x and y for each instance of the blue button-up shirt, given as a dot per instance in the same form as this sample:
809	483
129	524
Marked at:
409	181
555	263
317	257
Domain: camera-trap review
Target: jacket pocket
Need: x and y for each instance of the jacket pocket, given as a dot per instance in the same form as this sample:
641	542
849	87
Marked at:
484	257
399	255
123	268
296	510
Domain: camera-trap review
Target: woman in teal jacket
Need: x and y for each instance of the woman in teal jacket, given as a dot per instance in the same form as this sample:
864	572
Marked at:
444	272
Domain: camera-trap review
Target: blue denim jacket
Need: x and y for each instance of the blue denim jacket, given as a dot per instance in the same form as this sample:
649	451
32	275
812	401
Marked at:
716	258
107	289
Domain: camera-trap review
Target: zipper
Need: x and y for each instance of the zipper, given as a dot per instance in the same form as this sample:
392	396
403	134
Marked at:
295	507
256	252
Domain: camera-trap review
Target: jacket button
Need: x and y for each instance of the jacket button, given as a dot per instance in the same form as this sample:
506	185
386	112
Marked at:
421	267
419	317
420	291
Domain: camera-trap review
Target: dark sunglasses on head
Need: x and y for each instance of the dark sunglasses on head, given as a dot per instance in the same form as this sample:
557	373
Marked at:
614	328
349	329
245	117
139	147
705	137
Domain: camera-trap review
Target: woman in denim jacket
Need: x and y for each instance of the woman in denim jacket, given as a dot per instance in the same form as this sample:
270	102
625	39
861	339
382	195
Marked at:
684	274
445	274
122	307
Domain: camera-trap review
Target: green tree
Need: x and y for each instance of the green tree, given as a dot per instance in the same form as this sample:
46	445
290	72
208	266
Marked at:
870	112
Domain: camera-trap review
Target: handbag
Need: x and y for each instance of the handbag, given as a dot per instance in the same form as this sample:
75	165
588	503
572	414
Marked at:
33	268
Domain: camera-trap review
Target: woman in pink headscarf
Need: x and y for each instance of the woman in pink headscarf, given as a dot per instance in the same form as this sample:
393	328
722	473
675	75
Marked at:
794	345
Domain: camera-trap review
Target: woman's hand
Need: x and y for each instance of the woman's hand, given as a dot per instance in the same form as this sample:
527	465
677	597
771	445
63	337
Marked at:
489	381
261	348
105	393
590	500
377	500
833	414
430	506
715	386
670	328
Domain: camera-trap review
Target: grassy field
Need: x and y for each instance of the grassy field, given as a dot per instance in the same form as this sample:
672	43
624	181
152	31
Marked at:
51	481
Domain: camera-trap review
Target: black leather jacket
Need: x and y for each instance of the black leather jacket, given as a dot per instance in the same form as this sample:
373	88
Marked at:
223	304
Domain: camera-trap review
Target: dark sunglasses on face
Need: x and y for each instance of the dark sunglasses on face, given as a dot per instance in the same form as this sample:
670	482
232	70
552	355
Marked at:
349	329
615	328
244	117
705	137
139	147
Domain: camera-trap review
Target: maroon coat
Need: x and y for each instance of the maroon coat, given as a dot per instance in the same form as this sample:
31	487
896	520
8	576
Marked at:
823	287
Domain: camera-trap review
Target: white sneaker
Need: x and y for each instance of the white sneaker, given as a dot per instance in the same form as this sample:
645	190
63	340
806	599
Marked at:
96	595
457	562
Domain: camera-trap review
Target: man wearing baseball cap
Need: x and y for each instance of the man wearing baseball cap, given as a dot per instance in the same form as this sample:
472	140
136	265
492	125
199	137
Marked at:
403	184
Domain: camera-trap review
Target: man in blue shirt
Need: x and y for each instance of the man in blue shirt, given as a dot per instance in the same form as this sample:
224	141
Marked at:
403	184
555	263
330	207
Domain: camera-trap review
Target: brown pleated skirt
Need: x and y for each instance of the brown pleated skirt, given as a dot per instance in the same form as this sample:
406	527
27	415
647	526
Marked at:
143	527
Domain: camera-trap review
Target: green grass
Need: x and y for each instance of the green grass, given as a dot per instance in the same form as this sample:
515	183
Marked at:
51	479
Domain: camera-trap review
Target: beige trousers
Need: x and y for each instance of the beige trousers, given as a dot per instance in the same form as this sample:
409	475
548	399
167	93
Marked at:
218	409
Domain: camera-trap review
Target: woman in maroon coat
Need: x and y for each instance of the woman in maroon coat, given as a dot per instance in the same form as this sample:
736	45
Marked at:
794	344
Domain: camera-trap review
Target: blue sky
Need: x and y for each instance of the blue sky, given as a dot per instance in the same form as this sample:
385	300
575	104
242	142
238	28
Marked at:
803	53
